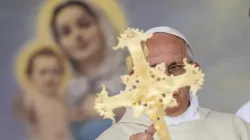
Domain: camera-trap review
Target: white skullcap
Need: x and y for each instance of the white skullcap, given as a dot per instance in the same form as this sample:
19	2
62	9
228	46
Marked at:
169	30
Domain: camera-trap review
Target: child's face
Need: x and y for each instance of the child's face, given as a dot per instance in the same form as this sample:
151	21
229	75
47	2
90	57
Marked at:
46	74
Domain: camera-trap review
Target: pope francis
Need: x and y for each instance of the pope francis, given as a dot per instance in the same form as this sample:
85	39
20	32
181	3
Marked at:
187	121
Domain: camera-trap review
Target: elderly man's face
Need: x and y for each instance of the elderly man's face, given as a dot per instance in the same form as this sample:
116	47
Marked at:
171	50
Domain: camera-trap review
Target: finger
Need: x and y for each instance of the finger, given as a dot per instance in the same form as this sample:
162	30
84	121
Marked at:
150	130
141	136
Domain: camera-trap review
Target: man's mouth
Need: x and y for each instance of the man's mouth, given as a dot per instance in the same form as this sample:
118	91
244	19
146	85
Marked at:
177	98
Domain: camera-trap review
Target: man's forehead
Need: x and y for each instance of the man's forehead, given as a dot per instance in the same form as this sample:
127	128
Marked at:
165	48
164	41
159	38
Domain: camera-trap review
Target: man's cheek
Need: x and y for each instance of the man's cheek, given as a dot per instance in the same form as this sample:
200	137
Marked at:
184	89
183	92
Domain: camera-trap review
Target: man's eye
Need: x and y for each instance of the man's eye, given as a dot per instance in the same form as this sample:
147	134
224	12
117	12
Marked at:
153	66
175	67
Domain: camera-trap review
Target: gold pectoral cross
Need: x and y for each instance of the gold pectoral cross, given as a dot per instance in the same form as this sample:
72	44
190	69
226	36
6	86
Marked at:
149	91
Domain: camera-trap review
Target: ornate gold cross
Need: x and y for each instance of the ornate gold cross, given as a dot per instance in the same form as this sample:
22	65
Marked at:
149	91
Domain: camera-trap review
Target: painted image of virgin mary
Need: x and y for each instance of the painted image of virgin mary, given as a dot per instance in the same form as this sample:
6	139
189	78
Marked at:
86	35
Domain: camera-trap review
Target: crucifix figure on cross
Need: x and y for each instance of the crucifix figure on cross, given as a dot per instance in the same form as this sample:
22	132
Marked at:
149	90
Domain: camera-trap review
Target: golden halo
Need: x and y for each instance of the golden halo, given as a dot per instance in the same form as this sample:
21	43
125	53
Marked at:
114	13
43	20
22	63
110	7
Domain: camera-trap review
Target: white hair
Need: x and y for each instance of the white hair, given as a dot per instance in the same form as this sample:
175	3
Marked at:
169	30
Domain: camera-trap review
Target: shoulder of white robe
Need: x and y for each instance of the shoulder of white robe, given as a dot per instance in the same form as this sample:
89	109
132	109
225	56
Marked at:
243	112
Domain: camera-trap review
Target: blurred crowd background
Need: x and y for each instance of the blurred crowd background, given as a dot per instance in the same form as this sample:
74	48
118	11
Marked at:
218	31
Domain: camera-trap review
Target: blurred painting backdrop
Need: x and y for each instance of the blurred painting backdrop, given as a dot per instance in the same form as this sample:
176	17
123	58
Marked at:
218	31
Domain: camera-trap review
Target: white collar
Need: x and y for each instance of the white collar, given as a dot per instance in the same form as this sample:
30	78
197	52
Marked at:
190	114
243	112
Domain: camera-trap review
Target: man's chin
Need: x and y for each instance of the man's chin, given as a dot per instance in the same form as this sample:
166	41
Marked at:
172	111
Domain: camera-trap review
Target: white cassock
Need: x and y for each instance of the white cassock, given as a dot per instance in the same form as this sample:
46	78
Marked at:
244	112
195	124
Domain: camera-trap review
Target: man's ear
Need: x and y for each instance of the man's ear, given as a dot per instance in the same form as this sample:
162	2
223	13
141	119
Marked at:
131	72
197	64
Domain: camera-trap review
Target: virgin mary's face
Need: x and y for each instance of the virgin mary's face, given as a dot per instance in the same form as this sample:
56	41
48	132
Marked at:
79	33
